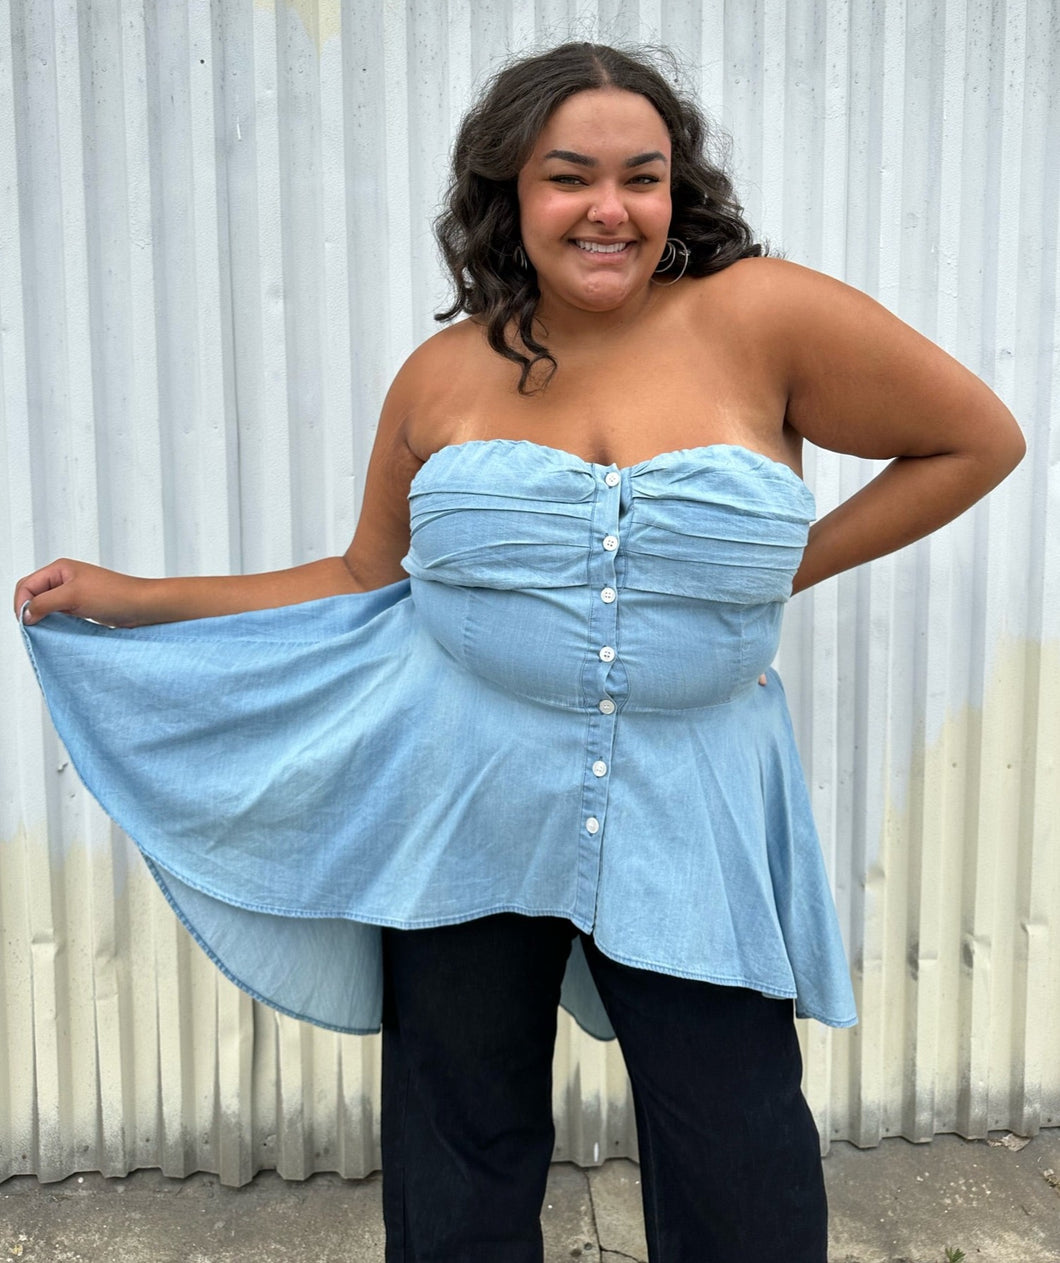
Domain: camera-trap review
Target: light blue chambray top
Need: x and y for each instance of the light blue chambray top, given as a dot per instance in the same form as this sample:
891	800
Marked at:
557	714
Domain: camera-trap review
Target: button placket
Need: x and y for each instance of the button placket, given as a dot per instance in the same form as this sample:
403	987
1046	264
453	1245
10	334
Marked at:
604	689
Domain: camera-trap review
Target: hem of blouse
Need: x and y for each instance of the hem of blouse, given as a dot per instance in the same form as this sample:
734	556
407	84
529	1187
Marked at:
219	964
771	992
156	871
461	918
353	914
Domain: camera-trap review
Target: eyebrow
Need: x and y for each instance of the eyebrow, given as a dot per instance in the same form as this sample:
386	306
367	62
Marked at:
583	160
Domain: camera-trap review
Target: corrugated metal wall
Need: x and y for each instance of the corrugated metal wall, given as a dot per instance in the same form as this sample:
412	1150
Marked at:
214	253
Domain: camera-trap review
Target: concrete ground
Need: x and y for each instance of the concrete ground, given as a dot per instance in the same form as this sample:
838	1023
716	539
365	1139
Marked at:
899	1203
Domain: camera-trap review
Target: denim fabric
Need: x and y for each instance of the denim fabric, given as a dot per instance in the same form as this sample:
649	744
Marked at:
557	714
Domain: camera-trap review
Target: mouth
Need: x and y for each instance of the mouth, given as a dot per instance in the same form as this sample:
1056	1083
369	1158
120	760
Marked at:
600	247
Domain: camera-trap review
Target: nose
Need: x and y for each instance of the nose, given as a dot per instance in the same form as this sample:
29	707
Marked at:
608	210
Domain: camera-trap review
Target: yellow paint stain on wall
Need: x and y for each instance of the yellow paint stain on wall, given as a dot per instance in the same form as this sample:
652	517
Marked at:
322	19
960	972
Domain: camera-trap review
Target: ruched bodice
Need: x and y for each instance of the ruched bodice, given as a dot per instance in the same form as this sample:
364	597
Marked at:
557	714
719	523
513	544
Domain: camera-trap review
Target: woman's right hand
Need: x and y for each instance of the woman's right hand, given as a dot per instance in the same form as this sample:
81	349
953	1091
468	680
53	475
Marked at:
84	590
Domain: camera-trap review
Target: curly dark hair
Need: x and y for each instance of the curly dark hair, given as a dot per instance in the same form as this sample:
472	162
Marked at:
478	229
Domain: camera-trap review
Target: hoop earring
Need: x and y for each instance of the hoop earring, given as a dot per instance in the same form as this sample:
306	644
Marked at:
674	247
519	254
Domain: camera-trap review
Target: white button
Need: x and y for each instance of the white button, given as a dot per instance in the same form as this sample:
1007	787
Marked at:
612	479
592	825
610	542
608	595
599	768
606	707
607	654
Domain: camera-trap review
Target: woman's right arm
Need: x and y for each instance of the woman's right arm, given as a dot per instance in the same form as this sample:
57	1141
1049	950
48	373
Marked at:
122	600
372	560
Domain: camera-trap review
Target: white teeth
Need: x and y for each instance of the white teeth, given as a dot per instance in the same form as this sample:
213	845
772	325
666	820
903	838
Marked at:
595	247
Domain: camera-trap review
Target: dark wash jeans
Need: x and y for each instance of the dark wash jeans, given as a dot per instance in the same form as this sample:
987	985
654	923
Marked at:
729	1153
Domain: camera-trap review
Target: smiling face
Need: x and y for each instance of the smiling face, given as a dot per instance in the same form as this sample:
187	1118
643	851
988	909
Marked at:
594	201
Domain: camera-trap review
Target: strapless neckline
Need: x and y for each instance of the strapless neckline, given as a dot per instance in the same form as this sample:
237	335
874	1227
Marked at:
734	451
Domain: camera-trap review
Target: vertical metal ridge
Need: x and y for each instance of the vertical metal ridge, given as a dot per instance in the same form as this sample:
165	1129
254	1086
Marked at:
61	375
50	1075
702	28
301	211
193	336
516	36
22	825
293	1158
1036	1100
922	661
834	86
772	123
170	1029
372	359
134	404
1036	915
18	1095
135	897
396	240
743	119
995	733
357	1077
104	1031
650	21
253	233
340	499
235	1047
871	724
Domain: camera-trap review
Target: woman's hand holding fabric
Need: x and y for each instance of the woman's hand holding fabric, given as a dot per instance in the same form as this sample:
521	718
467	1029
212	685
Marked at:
83	590
121	600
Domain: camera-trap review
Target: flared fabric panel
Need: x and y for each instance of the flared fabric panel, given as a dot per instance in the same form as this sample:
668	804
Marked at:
452	746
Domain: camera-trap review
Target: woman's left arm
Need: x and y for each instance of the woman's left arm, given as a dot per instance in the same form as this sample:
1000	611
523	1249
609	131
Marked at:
861	381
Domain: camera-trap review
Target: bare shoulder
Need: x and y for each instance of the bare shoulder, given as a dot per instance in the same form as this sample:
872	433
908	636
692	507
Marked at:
858	378
773	289
424	372
816	320
403	442
771	304
430	389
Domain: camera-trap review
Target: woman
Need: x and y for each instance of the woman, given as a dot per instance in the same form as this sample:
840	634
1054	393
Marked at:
577	777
